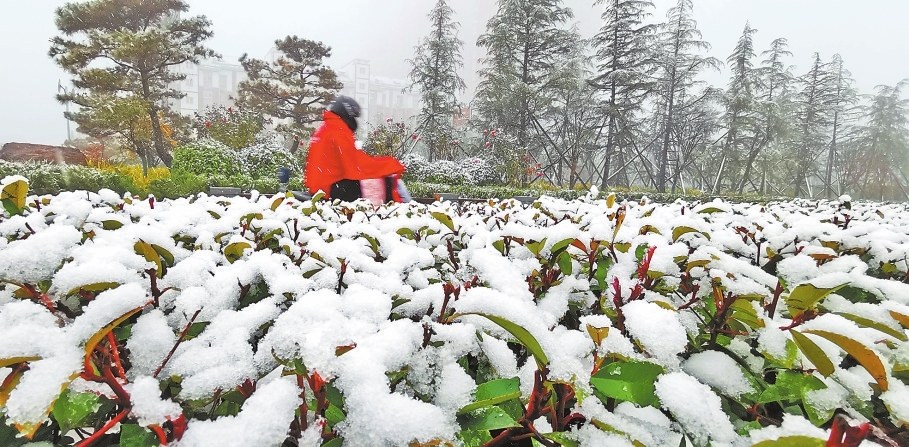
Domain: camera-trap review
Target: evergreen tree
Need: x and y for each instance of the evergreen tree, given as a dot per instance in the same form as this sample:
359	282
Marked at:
680	64
878	165
773	97
739	117
293	89
813	115
434	72
570	127
842	106
127	50
625	64
526	43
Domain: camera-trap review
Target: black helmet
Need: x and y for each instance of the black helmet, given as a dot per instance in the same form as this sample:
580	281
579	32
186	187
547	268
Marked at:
348	109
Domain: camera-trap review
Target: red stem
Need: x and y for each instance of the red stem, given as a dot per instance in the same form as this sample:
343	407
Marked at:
99	433
162	437
177	344
116	354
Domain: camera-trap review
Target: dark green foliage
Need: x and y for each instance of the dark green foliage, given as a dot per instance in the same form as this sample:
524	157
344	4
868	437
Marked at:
625	63
179	184
236	128
434	72
145	41
296	86
679	102
206	157
519	64
47	178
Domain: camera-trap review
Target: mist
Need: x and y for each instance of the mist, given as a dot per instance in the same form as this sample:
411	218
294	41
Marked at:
871	39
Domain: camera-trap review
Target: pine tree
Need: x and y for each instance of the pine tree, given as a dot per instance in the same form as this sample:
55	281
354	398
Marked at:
525	42
570	125
813	116
434	72
773	97
739	100
877	167
625	65
680	64
843	100
127	50
293	89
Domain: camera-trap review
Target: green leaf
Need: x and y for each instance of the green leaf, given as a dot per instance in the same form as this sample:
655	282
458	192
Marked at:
72	410
630	381
561	245
806	296
145	250
790	385
679	231
334	415
9	436
744	312
710	210
406	232
865	322
14	195
111	224
492	393
697	263
813	352
639	252
499	245
792	441
132	435
445	219
561	438
94	287
334	395
523	336
622	246
863	354
473	438
564	262
535	247
164	254
491	418
277	202
234	251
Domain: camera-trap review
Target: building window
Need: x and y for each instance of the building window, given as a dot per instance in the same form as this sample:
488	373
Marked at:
361	86
361	70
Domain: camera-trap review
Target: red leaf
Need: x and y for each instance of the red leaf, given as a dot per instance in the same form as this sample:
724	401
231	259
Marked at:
844	435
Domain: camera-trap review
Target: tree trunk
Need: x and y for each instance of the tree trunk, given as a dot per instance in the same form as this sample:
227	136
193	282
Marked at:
160	148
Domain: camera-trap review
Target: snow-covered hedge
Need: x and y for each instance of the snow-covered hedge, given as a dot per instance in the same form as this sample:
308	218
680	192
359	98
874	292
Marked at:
471	171
240	322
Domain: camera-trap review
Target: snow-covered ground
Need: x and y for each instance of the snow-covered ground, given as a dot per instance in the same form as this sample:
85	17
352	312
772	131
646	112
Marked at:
388	303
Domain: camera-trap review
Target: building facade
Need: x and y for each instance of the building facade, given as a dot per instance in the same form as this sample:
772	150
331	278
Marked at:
380	97
209	83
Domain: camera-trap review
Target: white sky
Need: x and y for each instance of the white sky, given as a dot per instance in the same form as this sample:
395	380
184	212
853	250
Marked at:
872	37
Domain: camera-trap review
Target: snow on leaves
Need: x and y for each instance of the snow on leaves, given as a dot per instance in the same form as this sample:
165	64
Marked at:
571	323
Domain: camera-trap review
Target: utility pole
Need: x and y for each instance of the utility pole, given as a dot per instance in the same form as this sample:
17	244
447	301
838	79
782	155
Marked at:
61	88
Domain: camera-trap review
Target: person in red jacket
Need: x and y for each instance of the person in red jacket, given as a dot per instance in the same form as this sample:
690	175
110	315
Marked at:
336	167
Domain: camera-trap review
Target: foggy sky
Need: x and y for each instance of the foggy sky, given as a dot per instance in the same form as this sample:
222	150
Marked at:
873	40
